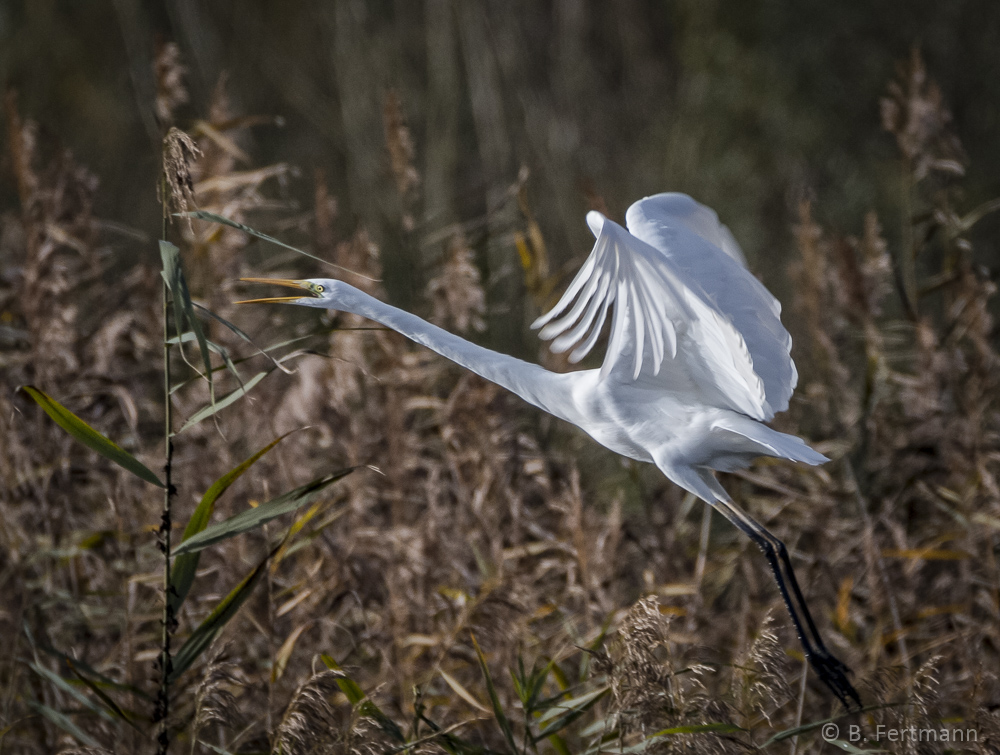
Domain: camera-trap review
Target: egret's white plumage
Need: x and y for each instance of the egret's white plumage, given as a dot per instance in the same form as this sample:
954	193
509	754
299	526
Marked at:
696	343
696	361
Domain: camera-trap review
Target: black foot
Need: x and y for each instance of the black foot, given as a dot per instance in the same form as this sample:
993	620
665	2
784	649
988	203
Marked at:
833	674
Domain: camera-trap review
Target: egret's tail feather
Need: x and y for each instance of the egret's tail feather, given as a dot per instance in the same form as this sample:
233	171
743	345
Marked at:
742	438
732	443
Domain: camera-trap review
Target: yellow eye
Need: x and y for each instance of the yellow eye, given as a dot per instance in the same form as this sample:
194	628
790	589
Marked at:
319	289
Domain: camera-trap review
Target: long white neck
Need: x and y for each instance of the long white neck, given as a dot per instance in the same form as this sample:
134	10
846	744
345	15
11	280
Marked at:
547	390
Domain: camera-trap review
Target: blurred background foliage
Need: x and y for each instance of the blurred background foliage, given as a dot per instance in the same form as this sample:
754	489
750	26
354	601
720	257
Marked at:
450	148
744	105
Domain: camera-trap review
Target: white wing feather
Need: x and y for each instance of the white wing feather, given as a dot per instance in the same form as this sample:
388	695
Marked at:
661	315
667	222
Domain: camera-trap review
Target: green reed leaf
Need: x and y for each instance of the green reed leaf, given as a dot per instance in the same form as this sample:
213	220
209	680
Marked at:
366	707
69	689
186	564
63	722
89	437
213	218
224	322
720	727
173	274
223	402
202	637
222	351
568	711
501	717
112	706
253	518
804	728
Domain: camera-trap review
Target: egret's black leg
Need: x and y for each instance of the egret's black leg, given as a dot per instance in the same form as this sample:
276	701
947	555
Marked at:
831	671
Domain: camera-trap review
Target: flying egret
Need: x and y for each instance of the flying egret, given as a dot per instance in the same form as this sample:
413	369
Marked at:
696	362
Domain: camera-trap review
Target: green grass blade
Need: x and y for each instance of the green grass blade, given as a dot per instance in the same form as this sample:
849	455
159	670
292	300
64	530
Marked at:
652	739
195	324
223	321
852	749
112	706
186	564
351	689
536	681
89	437
171	257
214	748
559	745
222	351
501	717
185	383
605	726
202	637
75	665
519	690
64	723
222	403
567	712
722	728
174	275
213	218
454	745
560	708
279	345
72	691
253	518
787	733
366	707
228	361
638	747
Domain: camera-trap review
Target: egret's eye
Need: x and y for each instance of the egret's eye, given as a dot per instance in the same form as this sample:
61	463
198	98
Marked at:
318	289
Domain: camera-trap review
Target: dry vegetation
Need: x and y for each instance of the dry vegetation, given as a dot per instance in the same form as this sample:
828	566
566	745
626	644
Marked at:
588	582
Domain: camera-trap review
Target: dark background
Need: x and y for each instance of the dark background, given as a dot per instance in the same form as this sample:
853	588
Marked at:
745	105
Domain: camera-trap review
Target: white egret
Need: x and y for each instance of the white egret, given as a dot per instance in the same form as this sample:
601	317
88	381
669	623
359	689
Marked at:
697	361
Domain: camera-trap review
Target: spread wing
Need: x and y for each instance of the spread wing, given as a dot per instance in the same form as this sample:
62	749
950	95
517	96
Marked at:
665	221
674	293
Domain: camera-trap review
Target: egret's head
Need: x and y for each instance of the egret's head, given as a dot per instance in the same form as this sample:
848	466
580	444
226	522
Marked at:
318	291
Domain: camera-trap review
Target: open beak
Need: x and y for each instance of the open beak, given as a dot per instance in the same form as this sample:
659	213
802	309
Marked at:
303	285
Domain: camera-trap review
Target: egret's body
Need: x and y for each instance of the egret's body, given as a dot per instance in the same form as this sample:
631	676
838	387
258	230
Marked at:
696	362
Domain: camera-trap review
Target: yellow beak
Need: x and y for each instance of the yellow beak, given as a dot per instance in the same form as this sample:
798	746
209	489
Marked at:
304	285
